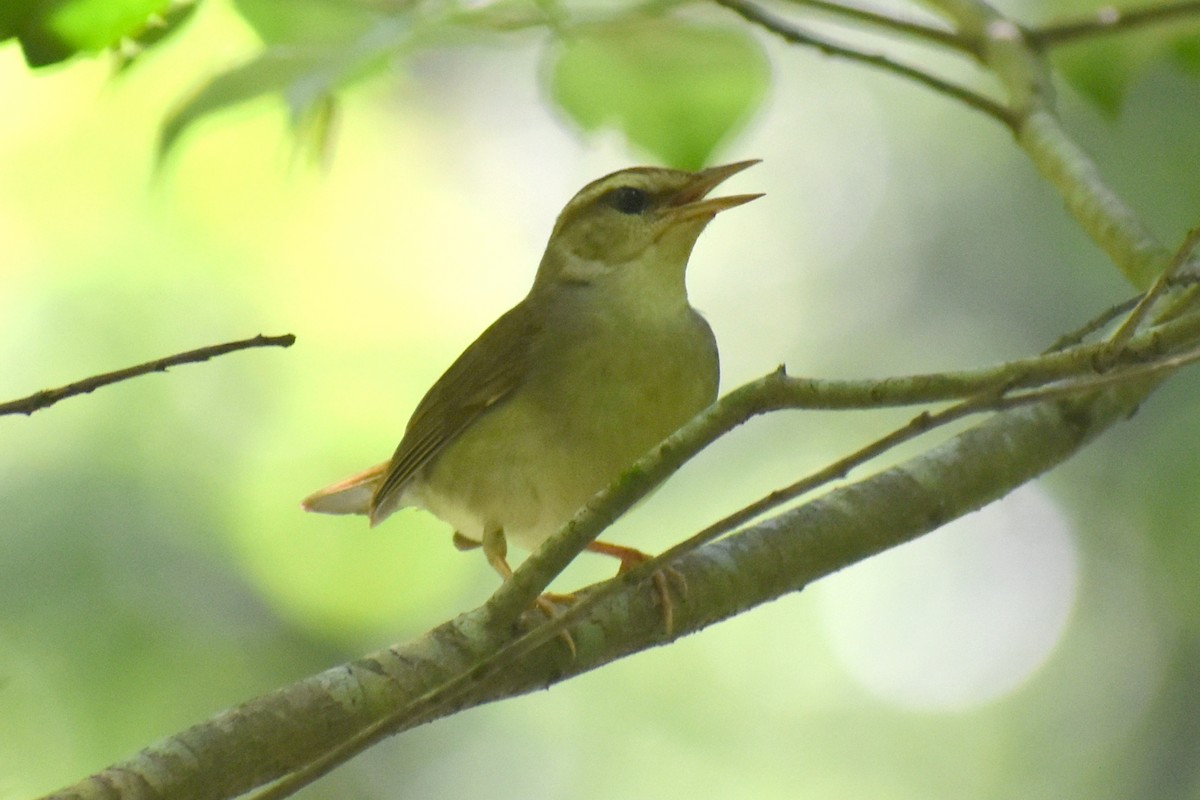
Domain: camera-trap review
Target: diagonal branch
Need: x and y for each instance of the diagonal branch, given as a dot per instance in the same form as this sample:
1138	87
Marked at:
995	397
880	19
1143	308
794	35
778	391
48	397
1109	20
296	726
309	727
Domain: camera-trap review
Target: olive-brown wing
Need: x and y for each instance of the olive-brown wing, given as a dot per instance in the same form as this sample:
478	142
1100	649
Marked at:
484	375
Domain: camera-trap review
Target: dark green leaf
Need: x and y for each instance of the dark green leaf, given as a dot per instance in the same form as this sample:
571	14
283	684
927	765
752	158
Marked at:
676	89
160	29
54	30
1101	71
1185	51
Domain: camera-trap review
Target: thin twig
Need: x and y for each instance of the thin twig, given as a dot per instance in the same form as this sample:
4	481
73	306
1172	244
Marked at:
1138	315
1074	338
48	397
884	20
793	35
918	425
1108	20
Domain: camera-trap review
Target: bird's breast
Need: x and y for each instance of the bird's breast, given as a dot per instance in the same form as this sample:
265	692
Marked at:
597	397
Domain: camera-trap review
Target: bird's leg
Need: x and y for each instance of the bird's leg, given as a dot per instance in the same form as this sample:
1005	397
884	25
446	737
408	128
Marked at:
495	549
630	558
464	542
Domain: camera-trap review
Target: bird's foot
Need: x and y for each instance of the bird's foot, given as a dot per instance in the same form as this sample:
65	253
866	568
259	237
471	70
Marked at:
548	604
496	550
662	578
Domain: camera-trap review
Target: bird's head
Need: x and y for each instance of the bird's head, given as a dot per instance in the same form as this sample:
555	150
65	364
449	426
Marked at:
648	215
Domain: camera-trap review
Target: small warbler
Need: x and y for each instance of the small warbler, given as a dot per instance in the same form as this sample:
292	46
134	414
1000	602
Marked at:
602	360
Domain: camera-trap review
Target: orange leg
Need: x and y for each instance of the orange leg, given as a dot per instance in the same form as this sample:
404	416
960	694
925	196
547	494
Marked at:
630	558
495	548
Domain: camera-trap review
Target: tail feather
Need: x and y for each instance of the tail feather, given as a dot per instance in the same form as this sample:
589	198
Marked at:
351	495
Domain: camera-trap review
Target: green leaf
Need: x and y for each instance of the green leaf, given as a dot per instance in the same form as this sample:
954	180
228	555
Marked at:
274	71
1101	71
676	89
51	31
155	31
307	21
1185	50
304	76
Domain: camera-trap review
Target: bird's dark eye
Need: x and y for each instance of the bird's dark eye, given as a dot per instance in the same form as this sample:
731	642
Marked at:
627	200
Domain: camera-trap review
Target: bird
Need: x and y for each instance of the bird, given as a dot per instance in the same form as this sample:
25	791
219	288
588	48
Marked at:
602	360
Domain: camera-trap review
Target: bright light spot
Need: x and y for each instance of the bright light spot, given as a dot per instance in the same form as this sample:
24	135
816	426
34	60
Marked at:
963	615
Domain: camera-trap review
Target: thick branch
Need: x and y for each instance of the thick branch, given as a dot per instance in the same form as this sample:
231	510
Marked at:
281	732
48	397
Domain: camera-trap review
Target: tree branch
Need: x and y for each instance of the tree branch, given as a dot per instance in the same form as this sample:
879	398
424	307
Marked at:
1109	20
428	706
880	19
473	660
1150	297
1102	214
48	397
793	35
778	391
449	669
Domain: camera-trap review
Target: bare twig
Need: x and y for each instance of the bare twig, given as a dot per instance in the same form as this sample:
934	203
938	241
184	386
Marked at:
884	20
793	35
1137	316
1109	20
48	397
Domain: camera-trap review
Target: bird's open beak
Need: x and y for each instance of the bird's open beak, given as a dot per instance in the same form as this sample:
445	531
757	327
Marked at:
690	203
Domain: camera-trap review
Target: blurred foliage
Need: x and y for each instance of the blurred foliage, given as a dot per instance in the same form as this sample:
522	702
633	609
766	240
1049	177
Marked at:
300	77
675	90
327	22
1103	68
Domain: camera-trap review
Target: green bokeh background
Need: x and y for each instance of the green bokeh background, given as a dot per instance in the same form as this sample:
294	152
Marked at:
156	567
